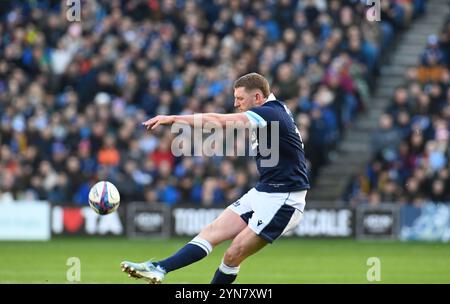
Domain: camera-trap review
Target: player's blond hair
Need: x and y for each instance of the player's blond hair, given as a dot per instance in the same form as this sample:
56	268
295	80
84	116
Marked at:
253	81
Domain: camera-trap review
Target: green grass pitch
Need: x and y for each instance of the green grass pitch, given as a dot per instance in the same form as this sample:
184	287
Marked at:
286	261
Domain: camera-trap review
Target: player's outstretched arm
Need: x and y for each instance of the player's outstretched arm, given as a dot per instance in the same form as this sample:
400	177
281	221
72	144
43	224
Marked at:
204	118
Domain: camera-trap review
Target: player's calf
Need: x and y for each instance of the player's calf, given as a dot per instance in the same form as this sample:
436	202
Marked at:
195	250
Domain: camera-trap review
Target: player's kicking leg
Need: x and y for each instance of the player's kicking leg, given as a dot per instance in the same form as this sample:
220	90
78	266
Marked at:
225	227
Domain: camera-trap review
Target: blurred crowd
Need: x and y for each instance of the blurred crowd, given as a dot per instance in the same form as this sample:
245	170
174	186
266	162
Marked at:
73	94
411	147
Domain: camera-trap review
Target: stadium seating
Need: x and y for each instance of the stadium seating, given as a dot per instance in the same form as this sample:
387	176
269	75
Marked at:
411	152
73	94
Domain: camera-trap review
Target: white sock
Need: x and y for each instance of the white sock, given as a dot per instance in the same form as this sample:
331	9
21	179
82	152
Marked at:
202	243
228	269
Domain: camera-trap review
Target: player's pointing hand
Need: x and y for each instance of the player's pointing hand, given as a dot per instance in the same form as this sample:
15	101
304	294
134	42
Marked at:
158	120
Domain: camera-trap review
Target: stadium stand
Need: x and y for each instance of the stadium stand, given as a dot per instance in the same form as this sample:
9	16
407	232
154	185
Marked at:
73	95
410	162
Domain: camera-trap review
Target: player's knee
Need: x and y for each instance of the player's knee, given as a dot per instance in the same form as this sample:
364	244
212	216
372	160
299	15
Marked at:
234	255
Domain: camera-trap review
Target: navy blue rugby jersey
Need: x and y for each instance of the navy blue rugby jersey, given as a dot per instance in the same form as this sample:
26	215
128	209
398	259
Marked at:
289	173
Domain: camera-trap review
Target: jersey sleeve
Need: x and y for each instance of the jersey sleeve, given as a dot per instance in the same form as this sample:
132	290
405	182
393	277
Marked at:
260	116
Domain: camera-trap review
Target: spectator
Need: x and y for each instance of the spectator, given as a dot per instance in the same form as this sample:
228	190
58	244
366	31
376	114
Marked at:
387	137
108	154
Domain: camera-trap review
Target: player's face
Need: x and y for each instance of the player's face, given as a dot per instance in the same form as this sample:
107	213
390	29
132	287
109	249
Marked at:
244	100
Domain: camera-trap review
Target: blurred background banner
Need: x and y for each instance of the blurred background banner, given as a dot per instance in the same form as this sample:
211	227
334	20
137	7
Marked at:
25	220
428	222
316	222
145	220
380	221
70	220
326	222
39	220
190	220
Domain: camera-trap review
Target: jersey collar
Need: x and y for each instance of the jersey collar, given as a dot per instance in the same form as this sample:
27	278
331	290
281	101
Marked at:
271	97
